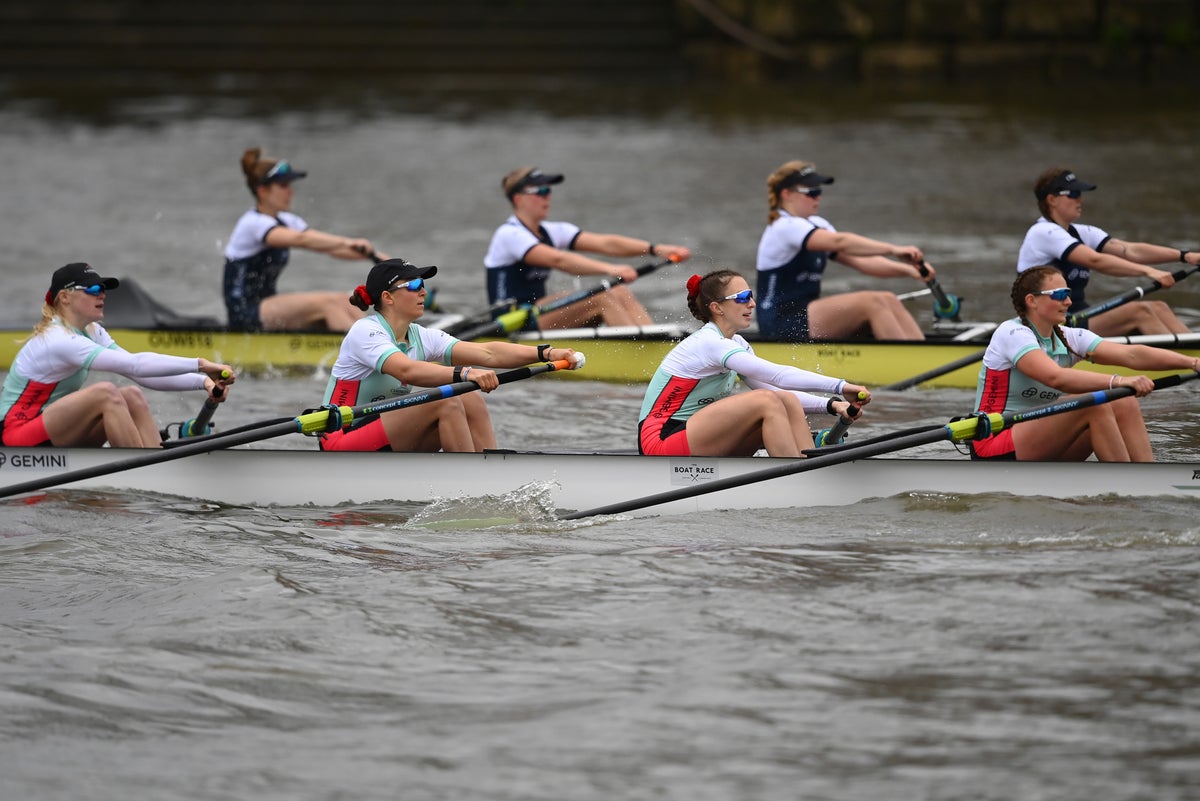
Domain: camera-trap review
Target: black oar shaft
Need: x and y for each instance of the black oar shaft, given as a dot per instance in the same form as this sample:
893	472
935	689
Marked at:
937	372
516	319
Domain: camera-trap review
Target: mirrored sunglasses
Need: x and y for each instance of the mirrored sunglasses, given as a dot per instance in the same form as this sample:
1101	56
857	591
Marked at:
814	192
540	191
415	285
1074	194
745	296
94	290
1060	294
281	170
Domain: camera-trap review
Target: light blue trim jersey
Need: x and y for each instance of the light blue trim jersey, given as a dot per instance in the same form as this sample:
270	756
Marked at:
356	377
1003	387
696	367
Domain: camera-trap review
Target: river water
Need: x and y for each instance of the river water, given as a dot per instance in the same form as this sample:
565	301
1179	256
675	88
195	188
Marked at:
927	646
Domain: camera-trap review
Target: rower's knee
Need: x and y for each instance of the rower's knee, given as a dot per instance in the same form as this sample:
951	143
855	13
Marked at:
134	399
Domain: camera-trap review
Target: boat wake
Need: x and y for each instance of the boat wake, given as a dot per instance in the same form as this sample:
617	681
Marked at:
529	503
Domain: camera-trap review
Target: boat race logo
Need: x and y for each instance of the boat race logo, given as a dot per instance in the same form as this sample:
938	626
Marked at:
690	472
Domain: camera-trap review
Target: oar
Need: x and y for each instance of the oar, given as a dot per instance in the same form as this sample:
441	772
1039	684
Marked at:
199	425
1137	293
517	319
833	435
945	307
1075	319
956	430
309	422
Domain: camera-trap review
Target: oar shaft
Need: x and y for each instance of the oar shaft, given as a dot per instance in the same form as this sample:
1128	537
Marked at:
1136	293
937	372
516	319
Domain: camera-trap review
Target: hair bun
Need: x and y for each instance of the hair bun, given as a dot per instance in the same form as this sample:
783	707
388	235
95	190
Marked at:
361	299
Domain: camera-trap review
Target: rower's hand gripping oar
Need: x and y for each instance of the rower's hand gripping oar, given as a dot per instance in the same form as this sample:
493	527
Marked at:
311	422
1072	319
518	318
945	306
977	426
837	432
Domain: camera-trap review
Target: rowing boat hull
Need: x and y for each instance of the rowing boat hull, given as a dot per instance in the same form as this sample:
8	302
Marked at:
577	481
613	355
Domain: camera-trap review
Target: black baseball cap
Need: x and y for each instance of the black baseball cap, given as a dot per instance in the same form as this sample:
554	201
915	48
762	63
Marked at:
386	273
522	177
806	177
77	274
1064	183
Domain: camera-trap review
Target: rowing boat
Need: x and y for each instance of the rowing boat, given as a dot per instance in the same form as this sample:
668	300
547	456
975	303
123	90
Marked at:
573	481
621	354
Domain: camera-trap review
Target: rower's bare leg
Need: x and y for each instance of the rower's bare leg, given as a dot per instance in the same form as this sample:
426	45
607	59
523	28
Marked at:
836	316
741	424
479	421
1138	317
92	415
441	425
301	310
617	306
143	418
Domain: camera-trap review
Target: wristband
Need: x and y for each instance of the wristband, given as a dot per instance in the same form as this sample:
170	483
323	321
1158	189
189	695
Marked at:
457	375
1183	254
542	350
650	248
829	406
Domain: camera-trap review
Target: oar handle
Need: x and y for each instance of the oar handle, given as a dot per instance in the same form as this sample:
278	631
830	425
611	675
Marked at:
837	432
369	253
199	425
945	307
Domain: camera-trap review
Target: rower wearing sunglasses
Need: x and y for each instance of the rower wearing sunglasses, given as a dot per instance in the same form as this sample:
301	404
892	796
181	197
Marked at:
1029	363
1057	238
691	408
260	246
386	353
793	252
528	248
44	400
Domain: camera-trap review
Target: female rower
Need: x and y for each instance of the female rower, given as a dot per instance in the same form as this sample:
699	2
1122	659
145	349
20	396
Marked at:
44	402
386	353
1076	250
690	408
258	250
792	254
1028	362
527	247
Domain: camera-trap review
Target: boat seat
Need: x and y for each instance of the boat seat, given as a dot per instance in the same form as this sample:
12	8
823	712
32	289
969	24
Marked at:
131	306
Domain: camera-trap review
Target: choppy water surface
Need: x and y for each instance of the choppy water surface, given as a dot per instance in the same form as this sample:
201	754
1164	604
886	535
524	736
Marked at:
918	647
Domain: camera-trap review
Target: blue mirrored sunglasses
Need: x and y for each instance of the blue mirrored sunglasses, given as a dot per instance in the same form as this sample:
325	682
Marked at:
414	285
745	296
281	168
1060	294
94	290
540	191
